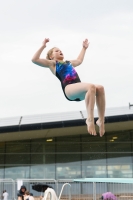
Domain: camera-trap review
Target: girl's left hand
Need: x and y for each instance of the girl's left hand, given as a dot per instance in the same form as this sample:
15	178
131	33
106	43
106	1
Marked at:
85	43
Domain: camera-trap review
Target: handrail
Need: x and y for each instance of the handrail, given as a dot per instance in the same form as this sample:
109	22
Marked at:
36	180
6	179
62	191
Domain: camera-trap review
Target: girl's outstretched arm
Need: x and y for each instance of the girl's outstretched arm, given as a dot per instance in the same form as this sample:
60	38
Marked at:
39	61
80	58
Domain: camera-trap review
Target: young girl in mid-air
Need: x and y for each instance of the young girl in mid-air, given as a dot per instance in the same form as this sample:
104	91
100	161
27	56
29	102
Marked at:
73	88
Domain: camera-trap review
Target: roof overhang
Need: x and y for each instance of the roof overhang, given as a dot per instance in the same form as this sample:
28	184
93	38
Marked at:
62	128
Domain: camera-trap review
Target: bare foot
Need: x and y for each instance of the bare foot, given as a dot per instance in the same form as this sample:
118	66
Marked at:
100	124
90	127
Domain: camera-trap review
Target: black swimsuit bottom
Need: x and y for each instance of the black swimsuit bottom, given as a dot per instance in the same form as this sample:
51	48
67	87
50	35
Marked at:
67	74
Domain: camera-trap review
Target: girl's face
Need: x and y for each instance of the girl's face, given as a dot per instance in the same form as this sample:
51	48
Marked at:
57	54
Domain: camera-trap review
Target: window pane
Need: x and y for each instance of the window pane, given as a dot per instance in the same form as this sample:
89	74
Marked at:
18	147
36	147
2	147
2	159
68	147
49	147
16	172
120	171
43	171
118	147
68	139
90	138
93	171
121	158
94	165
42	158
93	147
119	165
122	136
94	158
68	171
43	146
67	158
1	172
131	132
17	159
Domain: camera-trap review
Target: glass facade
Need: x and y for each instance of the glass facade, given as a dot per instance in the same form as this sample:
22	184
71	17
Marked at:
69	157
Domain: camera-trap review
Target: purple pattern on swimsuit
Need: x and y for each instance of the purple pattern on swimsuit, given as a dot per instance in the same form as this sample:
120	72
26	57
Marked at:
66	73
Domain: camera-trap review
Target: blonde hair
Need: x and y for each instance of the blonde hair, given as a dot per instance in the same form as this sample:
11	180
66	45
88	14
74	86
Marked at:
49	53
27	192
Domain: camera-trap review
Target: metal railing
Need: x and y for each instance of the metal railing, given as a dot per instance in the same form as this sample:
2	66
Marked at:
8	185
51	182
77	189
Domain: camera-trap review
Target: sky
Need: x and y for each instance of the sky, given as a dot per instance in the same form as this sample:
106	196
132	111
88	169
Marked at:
28	89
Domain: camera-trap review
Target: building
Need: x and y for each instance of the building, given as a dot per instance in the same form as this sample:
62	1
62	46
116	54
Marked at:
57	146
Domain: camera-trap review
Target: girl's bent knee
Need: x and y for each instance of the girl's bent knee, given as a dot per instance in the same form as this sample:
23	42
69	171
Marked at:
100	88
92	88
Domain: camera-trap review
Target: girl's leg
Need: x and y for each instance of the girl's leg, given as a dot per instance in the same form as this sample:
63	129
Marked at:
100	101
84	91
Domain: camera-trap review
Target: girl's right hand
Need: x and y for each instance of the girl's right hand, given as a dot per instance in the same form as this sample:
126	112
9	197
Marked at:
45	41
85	43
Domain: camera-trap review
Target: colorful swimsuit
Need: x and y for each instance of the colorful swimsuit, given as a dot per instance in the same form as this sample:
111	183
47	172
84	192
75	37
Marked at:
66	73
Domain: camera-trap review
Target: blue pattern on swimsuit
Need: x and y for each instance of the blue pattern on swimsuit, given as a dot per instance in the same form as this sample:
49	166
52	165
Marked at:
66	73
